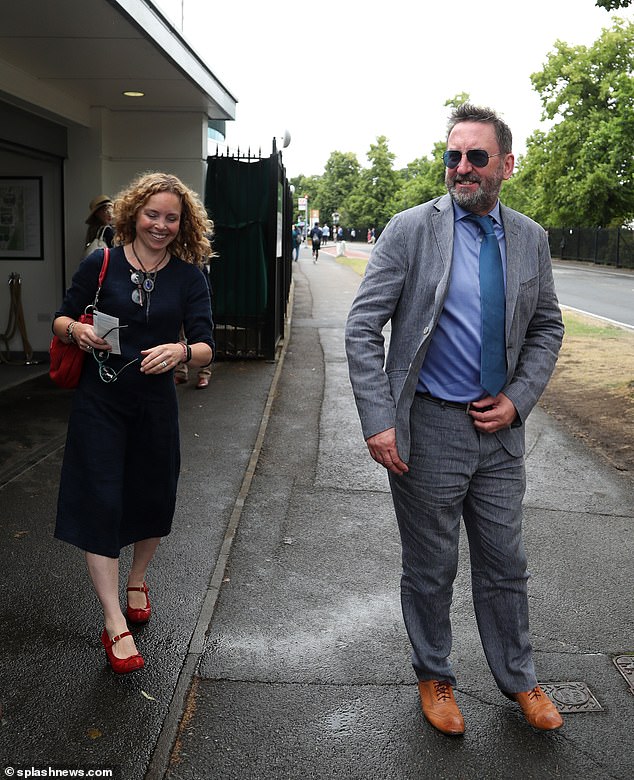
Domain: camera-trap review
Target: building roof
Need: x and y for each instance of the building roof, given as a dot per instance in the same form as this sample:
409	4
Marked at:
68	56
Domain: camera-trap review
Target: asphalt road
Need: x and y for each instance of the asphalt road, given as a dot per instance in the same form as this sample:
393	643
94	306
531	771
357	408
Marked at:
603	292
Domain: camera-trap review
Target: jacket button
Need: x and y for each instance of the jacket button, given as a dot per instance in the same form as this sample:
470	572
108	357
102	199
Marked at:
425	331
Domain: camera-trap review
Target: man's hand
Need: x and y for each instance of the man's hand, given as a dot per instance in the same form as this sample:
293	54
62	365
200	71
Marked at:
499	413
382	447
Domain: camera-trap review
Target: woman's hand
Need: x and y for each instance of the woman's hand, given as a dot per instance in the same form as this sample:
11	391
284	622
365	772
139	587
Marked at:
162	358
85	337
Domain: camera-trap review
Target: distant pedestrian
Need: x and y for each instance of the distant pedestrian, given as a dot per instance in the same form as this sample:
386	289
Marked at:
100	232
341	244
315	237
296	241
325	234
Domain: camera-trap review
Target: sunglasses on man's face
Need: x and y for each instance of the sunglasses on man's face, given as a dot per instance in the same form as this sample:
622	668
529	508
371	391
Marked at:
477	157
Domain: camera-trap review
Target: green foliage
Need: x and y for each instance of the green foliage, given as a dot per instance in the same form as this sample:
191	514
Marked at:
305	187
370	202
578	173
340	179
611	5
581	172
422	180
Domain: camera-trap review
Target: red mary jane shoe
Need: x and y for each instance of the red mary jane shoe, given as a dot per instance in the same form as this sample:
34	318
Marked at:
120	665
141	615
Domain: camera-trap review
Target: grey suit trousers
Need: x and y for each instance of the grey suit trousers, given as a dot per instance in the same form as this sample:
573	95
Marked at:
456	471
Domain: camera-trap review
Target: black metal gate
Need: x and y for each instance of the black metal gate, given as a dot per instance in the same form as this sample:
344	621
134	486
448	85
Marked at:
249	200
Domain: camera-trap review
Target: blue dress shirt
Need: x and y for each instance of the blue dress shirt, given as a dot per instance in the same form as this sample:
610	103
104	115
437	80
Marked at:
451	369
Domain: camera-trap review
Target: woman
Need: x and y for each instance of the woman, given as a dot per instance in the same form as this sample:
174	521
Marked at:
99	221
122	460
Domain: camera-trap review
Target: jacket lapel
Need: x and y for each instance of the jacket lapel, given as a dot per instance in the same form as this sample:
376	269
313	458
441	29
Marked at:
513	263
443	226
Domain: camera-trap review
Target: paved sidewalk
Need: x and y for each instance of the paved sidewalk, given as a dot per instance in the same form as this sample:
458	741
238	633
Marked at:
306	670
277	649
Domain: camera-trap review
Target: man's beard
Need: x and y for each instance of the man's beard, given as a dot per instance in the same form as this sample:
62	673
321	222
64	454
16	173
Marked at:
483	199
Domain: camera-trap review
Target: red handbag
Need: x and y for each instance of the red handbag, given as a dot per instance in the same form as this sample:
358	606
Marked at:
67	360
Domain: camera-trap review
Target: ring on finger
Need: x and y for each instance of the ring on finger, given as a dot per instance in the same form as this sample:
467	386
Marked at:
163	364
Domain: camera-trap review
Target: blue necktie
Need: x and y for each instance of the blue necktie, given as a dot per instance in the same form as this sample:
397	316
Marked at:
492	307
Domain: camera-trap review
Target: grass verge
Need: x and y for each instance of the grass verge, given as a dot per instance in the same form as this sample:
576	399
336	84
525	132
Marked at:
591	391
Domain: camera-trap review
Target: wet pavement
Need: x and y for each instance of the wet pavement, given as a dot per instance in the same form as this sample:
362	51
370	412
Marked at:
277	648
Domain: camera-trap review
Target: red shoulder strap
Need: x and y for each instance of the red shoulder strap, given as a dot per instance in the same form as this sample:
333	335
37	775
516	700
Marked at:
104	265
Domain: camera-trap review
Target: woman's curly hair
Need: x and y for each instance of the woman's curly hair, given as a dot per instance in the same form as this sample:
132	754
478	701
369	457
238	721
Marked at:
192	242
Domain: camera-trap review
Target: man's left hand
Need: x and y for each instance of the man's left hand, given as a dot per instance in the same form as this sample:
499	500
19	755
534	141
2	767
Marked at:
492	414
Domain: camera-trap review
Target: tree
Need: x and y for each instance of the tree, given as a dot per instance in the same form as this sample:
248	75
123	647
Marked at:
369	204
423	179
305	187
341	177
611	5
582	170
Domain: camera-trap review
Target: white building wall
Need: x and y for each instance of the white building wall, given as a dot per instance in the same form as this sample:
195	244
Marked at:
41	279
101	159
119	146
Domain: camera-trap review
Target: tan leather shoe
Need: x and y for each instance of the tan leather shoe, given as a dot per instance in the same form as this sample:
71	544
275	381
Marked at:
440	708
539	710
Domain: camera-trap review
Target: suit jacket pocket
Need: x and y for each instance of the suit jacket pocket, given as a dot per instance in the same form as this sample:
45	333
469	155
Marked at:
527	297
513	441
397	379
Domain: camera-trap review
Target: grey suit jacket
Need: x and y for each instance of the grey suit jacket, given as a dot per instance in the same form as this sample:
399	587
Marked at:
406	281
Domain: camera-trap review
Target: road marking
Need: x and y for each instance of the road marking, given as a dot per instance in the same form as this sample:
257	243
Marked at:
616	323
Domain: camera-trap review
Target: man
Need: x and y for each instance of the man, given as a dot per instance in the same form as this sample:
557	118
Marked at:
315	235
296	242
446	418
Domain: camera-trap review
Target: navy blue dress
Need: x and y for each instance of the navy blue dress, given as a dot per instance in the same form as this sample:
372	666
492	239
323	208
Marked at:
122	456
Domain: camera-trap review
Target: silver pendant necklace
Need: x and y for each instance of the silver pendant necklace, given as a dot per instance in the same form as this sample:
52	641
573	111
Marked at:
144	280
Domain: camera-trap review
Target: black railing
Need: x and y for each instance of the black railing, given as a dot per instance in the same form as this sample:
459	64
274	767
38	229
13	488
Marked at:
603	246
249	200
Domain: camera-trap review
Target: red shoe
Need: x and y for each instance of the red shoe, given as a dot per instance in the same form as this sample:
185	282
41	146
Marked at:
203	382
179	379
141	615
120	665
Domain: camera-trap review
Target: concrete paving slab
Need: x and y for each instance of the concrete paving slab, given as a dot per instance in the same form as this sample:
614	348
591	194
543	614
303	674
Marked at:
251	731
306	671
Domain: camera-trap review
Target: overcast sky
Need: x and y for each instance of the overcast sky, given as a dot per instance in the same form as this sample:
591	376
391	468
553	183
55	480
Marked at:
338	74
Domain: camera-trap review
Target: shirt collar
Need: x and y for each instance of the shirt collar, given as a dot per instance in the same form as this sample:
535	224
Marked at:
460	213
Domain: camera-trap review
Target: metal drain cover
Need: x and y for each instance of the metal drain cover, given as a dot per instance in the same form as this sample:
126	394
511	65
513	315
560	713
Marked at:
625	665
571	697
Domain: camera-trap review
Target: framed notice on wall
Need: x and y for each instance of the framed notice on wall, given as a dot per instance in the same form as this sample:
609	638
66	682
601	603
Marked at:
21	218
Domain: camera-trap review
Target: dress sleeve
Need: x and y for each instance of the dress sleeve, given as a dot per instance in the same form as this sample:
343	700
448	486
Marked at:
83	287
198	323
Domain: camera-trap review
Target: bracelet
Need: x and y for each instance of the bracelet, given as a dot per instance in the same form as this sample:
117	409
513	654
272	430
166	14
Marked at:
69	331
187	352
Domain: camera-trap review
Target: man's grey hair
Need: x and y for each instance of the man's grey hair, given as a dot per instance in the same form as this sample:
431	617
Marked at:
470	113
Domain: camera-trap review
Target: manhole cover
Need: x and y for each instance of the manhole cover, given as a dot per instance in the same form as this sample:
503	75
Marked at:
625	665
571	697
